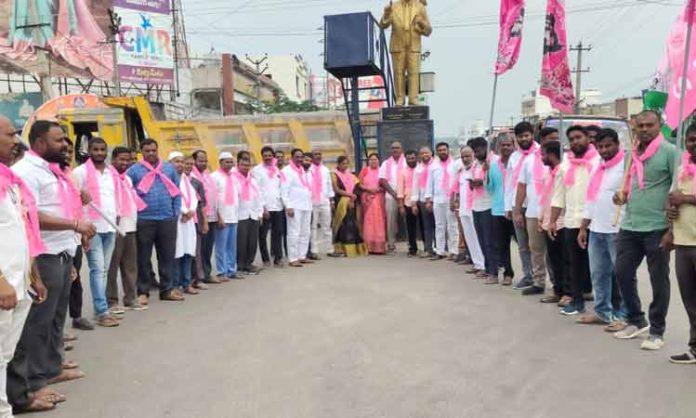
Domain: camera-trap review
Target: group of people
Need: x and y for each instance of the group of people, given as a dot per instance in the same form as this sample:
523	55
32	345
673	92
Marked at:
585	218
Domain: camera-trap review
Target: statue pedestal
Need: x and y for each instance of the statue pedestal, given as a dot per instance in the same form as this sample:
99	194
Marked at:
410	125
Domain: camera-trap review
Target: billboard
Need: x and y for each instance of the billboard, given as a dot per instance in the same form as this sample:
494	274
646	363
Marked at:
18	107
145	48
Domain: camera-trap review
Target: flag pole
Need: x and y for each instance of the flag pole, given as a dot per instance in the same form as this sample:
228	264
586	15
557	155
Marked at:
680	127
495	92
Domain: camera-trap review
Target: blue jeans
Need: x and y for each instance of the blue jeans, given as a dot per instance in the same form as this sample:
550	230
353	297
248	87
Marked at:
99	258
226	250
182	271
602	252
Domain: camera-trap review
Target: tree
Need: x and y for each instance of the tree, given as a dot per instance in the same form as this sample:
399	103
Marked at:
285	105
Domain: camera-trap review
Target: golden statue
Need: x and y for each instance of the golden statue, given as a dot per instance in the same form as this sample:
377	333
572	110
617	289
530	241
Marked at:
409	21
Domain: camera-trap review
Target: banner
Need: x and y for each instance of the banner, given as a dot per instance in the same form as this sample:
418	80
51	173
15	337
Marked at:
145	51
671	69
555	73
510	38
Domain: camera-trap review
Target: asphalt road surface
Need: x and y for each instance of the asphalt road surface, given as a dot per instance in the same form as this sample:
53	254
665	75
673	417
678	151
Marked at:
372	337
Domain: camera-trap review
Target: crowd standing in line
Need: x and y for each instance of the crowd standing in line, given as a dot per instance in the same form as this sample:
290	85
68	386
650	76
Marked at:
583	219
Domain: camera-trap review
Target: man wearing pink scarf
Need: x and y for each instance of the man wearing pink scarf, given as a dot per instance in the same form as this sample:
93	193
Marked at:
388	178
206	238
38	358
99	181
250	215
644	225
441	177
418	189
269	178
407	207
322	205
296	192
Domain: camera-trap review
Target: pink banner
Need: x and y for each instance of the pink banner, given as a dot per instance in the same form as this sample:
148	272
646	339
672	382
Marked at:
555	73
672	68
510	39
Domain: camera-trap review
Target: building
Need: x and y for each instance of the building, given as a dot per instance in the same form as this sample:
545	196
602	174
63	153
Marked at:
291	72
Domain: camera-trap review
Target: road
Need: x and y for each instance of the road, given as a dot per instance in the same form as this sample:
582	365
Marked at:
372	337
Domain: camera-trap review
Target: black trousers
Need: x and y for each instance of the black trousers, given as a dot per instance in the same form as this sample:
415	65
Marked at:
247	242
412	230
161	235
483	223
427	221
631	248
207	243
503	234
557	264
579	261
76	287
38	356
276	226
686	276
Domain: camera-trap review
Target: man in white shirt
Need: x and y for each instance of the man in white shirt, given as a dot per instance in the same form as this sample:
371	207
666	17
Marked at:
437	200
481	207
322	205
418	189
599	219
97	180
16	262
125	256
228	216
38	357
206	241
268	178
250	215
462	204
297	198
186	235
389	176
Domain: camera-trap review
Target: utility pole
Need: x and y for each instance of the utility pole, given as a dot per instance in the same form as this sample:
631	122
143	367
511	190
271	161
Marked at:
579	72
258	72
114	25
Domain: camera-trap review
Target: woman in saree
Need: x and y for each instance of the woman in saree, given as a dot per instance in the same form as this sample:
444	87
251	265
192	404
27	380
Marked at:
346	228
373	208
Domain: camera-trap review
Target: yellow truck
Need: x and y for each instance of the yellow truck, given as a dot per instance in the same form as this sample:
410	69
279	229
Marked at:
127	121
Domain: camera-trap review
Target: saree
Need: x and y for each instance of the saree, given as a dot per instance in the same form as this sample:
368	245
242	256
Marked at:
346	229
374	213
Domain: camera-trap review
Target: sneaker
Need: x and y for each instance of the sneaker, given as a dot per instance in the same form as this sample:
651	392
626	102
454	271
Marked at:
631	332
533	291
571	310
686	358
107	321
525	283
135	306
82	324
653	343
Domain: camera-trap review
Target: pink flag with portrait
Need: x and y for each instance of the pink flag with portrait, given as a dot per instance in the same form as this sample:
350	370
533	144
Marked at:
671	69
510	38
555	73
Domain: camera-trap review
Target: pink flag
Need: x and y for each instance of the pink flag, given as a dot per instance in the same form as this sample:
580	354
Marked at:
510	39
555	73
671	68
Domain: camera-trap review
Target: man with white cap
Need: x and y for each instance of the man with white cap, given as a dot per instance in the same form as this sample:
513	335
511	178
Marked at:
228	197
185	229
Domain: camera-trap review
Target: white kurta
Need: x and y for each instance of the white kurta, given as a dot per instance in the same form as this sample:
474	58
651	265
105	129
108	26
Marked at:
186	232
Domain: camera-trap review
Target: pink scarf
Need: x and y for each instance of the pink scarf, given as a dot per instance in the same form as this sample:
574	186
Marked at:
249	191
423	179
94	190
272	170
68	193
598	175
445	182
371	177
518	168
153	173
638	165
585	161
478	173
317	191
347	179
688	169
128	200
187	196
539	172
408	177
208	186
229	186
301	175
547	189
390	167
31	213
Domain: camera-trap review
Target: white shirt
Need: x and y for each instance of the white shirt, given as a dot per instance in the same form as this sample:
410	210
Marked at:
510	188
462	179
482	202
107	197
293	192
252	208
327	191
418	194
129	223
229	214
269	187
435	191
14	245
45	188
527	178
395	168
602	211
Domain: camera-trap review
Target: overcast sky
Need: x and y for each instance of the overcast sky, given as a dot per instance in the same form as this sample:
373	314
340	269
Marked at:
627	37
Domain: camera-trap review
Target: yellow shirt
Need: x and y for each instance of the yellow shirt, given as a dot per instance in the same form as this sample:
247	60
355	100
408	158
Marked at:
684	226
572	198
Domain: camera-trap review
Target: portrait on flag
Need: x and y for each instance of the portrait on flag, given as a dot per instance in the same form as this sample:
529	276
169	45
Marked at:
510	38
555	72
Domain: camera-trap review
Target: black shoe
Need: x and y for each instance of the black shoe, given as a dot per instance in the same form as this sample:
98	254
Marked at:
437	257
525	283
686	358
82	324
532	291
313	257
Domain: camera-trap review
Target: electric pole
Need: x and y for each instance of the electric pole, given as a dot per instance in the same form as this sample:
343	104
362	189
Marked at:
579	72
258	72
114	25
